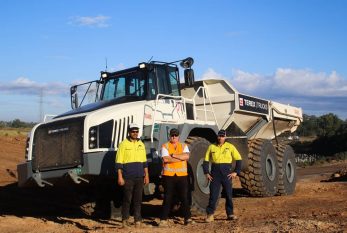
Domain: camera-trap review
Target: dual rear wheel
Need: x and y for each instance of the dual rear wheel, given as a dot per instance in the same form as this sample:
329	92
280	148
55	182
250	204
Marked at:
271	170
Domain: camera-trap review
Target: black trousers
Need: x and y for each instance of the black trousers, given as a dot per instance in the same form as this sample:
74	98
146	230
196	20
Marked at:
176	185
132	192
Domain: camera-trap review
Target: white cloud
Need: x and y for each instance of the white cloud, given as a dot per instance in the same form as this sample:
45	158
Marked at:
25	86
99	21
308	83
285	81
211	74
250	81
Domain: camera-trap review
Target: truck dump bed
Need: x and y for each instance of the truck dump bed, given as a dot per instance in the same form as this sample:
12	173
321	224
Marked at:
255	117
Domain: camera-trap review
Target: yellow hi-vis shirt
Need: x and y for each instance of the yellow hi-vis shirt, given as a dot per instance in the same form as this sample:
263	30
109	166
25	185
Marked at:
131	158
222	154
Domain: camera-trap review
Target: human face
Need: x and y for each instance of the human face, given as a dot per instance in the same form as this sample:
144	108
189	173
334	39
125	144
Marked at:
174	138
221	139
134	134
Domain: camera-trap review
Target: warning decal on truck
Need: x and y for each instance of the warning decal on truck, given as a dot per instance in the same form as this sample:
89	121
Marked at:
253	104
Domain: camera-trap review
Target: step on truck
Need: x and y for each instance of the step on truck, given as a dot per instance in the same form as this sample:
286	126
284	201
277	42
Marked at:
78	147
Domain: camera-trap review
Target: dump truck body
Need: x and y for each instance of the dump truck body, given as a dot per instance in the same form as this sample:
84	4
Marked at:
257	118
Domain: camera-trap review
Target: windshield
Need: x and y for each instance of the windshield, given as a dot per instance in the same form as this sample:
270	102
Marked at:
130	84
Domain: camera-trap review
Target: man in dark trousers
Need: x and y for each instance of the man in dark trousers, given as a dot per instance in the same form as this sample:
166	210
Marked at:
221	155
175	176
131	165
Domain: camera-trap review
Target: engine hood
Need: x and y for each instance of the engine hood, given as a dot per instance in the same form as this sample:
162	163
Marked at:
99	105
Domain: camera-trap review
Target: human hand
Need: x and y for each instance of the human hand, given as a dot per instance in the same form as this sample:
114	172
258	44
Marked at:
121	181
209	177
146	180
232	175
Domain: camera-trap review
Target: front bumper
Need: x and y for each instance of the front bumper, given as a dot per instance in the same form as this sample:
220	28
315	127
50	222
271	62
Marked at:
94	164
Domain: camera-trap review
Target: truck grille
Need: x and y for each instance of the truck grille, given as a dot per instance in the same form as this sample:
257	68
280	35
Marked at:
58	145
120	129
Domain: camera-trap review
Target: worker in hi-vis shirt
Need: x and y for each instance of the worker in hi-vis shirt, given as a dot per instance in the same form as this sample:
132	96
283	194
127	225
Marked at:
132	169
221	155
175	177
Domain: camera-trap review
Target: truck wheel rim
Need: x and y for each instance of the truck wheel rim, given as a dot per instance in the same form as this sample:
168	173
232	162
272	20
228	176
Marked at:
202	182
289	171
270	168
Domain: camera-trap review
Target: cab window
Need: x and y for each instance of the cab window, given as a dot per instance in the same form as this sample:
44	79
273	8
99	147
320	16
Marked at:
167	80
131	84
174	84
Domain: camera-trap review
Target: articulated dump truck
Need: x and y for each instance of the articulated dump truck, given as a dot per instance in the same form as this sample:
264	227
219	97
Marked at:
78	148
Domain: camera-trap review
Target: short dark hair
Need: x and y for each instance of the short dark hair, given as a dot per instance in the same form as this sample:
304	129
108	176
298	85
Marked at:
174	131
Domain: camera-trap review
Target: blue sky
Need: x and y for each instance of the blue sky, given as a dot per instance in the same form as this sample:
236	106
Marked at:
293	52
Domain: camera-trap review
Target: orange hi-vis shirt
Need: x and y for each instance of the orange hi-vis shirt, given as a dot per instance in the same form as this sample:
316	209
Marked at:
176	168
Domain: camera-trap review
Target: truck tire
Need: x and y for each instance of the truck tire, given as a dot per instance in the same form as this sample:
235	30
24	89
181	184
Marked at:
261	178
199	185
287	170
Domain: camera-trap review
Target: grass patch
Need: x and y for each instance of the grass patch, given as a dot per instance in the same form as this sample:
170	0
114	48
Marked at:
13	132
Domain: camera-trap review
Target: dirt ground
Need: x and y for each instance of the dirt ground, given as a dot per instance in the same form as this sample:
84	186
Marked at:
316	206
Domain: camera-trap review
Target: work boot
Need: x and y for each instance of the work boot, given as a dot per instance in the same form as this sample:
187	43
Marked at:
209	218
138	224
125	224
232	217
189	222
163	223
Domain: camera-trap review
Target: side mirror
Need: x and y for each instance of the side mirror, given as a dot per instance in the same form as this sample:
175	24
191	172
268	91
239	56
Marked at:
74	97
188	77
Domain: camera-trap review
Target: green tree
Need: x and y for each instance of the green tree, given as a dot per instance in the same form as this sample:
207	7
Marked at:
328	125
308	127
2	124
18	124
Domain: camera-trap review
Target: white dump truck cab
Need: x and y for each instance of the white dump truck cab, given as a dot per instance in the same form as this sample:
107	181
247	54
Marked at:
82	143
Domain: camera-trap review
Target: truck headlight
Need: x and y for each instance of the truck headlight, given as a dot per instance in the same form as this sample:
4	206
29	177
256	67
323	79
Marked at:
93	137
27	148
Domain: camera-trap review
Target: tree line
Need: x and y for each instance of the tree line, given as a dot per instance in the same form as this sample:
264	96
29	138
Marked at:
16	124
323	126
330	132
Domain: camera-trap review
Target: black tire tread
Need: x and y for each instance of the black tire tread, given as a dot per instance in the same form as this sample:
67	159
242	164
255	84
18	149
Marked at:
193	141
280	151
252	179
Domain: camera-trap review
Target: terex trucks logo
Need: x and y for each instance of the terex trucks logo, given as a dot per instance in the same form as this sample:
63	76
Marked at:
53	131
253	104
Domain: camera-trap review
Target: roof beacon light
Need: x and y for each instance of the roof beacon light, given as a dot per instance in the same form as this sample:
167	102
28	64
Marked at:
187	63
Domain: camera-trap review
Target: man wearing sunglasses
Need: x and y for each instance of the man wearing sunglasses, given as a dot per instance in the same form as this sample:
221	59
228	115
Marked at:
131	165
175	176
221	155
